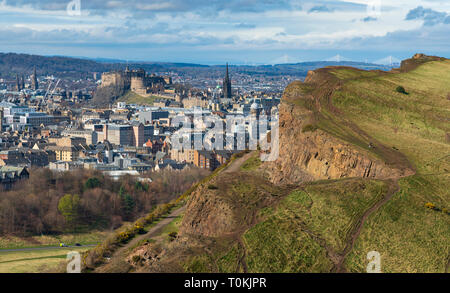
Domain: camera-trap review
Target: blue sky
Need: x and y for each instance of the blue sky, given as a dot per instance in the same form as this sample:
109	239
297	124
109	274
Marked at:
235	31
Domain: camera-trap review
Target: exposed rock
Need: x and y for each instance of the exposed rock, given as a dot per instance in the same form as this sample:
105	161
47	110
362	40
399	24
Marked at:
208	214
308	156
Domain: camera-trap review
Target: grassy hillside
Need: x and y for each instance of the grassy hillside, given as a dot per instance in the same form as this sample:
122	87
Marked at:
410	237
133	98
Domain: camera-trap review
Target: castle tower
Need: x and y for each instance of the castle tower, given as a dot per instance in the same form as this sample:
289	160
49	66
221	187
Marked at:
227	85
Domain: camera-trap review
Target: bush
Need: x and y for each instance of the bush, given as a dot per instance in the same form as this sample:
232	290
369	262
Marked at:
309	128
139	228
213	187
401	90
124	237
93	182
430	206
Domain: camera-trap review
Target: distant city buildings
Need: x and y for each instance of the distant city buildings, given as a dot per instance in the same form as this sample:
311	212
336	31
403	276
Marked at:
59	130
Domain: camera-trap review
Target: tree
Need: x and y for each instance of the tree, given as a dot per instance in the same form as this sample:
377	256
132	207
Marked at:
69	207
128	205
92	183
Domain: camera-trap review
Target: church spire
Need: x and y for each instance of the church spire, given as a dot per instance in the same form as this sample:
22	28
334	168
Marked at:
227	85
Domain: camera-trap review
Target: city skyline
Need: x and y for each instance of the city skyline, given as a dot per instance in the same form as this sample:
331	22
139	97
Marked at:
238	32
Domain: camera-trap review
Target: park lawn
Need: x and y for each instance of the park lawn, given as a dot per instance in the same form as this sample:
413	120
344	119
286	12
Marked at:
34	261
13	242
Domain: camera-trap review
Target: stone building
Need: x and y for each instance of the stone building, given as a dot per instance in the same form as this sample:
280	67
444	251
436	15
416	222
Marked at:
138	81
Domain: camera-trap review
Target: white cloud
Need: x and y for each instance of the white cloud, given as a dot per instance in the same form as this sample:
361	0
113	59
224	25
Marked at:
267	26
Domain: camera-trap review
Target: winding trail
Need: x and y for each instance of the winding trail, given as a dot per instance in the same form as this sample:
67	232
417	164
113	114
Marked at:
393	188
236	165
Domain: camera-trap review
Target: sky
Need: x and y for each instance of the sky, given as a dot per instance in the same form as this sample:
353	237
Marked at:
234	31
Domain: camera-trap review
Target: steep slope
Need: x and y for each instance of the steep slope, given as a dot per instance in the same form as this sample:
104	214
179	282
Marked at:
362	167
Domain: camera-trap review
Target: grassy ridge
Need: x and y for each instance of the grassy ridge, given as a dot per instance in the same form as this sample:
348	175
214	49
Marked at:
409	237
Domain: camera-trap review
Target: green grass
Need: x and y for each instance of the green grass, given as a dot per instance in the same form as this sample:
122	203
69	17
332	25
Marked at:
12	242
284	240
173	227
279	244
409	237
252	163
133	98
34	261
335	207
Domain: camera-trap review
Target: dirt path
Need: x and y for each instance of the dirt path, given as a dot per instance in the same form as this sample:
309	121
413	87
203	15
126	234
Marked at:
236	165
117	261
392	189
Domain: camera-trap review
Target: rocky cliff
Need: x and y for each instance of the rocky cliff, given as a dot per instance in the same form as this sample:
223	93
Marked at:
309	153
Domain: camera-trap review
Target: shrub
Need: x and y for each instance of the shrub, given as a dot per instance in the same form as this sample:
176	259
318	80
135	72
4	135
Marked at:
139	228
213	187
401	90
124	237
93	182
309	128
429	205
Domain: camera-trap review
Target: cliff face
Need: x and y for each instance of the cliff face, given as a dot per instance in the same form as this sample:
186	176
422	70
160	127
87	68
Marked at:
229	207
313	154
208	214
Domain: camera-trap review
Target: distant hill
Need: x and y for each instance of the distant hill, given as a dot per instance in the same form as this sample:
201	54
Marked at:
11	64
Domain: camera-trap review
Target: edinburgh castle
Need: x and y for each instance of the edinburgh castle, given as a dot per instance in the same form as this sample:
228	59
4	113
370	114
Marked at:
137	81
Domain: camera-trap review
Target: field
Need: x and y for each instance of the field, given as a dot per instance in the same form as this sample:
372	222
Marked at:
11	242
34	261
42	253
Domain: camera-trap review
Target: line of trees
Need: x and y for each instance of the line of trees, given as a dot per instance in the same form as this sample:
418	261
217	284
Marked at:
79	201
